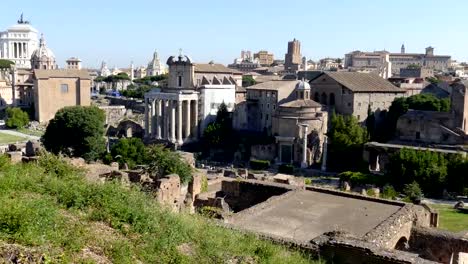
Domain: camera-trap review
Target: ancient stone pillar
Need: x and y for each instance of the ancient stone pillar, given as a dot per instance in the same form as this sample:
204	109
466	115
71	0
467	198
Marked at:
166	119
304	150
173	120
158	118
187	119
147	133
325	153
179	123
153	118
195	121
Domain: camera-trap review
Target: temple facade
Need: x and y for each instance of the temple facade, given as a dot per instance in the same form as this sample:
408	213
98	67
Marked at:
181	111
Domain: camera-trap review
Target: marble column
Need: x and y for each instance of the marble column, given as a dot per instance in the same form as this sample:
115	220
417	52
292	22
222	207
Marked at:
166	119
325	153
195	121
173	120
147	120
153	118
158	118
304	147
179	123
187	119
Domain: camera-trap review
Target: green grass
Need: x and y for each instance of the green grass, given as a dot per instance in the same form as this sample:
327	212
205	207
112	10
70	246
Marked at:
50	207
8	139
30	132
450	219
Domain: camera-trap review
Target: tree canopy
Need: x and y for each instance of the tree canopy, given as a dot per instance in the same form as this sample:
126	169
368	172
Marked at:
5	64
347	137
400	106
248	80
76	131
16	118
137	91
148	80
219	131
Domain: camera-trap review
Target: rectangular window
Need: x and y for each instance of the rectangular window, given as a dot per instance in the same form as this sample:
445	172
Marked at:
64	88
266	117
180	81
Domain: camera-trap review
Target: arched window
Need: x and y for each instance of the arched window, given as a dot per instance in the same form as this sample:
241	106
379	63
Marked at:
317	97
332	99
324	99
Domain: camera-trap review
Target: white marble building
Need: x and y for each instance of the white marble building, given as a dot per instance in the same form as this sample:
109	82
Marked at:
18	43
155	67
181	111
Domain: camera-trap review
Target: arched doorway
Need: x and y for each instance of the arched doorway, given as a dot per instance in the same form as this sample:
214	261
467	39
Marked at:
332	99
402	244
317	97
324	99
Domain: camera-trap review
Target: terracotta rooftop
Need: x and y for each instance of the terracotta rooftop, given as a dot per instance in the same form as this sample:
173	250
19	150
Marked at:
302	103
214	68
362	82
273	85
46	74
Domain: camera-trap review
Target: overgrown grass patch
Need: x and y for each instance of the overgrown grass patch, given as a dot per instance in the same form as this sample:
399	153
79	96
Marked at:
50	205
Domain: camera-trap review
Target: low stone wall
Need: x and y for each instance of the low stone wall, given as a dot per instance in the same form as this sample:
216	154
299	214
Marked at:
241	195
437	245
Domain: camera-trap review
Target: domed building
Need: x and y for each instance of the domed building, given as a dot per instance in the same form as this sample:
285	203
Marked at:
18	43
299	127
43	58
155	67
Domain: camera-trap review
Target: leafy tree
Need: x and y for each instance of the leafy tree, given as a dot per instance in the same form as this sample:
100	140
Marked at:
5	64
76	131
414	66
433	80
457	178
219	132
137	92
248	80
347	137
16	118
99	79
130	151
427	168
163	161
400	106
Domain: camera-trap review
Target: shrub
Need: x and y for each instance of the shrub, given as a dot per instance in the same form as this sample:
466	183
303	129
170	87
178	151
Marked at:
163	161
16	118
359	178
84	130
259	164
389	192
286	168
413	192
130	151
308	181
370	192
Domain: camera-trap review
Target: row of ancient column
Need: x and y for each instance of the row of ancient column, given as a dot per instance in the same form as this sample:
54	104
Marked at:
19	50
172	120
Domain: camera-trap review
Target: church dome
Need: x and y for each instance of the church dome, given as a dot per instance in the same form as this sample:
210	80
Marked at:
42	51
302	85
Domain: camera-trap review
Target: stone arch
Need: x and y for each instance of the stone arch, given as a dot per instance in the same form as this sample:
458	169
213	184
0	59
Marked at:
317	97
402	244
332	99
324	99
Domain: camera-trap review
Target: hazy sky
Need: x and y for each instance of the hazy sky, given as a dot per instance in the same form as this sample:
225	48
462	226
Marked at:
121	31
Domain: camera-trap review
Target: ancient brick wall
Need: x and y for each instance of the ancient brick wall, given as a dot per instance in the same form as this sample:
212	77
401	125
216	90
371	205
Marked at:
437	245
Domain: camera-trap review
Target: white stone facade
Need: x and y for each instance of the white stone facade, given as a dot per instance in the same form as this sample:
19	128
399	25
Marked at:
181	111
18	43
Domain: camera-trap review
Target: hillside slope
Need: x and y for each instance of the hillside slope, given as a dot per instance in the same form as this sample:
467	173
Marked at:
50	214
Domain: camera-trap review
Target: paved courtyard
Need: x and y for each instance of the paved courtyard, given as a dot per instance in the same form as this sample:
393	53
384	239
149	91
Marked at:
303	215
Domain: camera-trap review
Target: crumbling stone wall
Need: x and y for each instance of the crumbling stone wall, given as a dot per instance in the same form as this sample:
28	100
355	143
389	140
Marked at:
437	245
398	226
244	194
168	191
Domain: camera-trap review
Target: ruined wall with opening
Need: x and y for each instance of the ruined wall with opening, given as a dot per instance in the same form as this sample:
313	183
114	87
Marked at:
437	245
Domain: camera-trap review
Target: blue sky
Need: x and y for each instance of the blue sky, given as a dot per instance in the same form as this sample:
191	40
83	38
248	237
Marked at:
121	31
